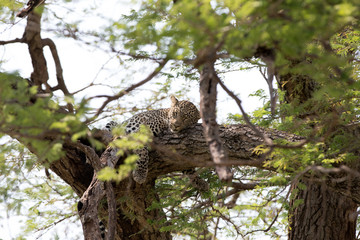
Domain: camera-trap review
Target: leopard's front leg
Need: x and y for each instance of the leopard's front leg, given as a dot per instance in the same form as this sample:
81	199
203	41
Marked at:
142	165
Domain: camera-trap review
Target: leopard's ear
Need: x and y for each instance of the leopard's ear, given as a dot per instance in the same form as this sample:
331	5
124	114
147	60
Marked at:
174	101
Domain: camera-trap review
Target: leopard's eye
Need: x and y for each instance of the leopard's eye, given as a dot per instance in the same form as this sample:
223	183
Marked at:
174	114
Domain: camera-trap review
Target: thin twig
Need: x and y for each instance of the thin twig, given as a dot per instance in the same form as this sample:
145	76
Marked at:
276	217
267	140
92	84
138	56
127	90
51	225
269	75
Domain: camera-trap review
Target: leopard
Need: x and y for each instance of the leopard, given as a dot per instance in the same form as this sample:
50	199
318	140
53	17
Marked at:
181	115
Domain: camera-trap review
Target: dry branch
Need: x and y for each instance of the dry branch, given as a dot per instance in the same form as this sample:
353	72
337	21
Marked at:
59	71
245	116
208	95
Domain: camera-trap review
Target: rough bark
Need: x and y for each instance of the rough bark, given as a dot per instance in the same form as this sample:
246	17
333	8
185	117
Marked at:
88	209
324	214
32	37
208	96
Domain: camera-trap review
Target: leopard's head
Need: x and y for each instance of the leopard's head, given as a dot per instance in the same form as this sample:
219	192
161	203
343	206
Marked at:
182	114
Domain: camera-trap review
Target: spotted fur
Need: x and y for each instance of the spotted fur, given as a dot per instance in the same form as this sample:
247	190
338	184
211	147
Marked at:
181	115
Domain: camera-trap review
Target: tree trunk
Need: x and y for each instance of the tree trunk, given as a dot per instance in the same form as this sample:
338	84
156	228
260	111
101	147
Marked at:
323	214
324	207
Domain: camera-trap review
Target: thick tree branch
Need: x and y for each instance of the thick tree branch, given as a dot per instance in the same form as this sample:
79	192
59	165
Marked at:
88	209
59	71
110	195
16	40
208	94
32	37
189	148
111	199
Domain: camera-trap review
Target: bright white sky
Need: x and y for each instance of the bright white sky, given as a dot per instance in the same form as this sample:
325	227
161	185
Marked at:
82	64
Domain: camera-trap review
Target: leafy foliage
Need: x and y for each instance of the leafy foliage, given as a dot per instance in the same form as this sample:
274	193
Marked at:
314	42
125	145
40	201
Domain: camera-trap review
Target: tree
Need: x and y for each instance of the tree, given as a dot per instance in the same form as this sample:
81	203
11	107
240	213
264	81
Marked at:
305	172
